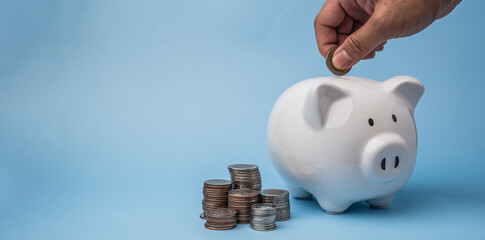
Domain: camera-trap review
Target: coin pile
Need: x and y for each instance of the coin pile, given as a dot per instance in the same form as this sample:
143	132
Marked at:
245	176
280	199
242	200
221	219
215	194
263	217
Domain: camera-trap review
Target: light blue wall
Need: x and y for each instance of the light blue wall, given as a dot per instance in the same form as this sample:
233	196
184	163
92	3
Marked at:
112	113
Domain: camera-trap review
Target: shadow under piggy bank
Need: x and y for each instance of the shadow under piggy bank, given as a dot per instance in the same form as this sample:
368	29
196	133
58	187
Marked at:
411	201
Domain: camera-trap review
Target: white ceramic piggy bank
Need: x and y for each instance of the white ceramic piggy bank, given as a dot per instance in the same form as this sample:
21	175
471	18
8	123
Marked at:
345	139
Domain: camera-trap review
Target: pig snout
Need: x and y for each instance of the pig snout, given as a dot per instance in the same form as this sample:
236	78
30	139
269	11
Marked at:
385	157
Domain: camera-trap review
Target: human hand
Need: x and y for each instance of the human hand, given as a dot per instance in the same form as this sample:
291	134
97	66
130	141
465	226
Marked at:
360	28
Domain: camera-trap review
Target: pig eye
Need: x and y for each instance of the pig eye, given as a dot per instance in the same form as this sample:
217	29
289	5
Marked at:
394	118
371	122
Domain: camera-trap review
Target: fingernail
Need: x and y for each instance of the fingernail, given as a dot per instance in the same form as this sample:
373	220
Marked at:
342	60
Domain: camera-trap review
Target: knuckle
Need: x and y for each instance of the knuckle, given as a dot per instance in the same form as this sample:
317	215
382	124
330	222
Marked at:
317	20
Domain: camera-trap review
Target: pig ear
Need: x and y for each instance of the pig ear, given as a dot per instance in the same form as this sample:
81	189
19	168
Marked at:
318	102
407	88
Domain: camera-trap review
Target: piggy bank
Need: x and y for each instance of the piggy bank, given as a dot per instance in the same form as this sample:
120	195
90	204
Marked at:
345	139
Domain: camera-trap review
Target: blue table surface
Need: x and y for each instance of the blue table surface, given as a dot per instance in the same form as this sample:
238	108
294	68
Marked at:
169	208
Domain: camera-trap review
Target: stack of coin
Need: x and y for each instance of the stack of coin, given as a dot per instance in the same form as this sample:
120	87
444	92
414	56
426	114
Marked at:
242	200
215	194
221	219
245	176
280	199
263	216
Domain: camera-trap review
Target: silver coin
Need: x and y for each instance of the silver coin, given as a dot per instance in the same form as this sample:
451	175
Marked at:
218	182
245	176
243	193
263	216
280	199
274	192
243	167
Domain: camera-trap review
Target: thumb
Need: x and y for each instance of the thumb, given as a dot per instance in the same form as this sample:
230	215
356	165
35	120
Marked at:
357	45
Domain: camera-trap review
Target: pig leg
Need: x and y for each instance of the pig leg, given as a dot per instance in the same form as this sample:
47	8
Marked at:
298	192
332	206
380	202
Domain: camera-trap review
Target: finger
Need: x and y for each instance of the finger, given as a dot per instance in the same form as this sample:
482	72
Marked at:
368	6
341	38
326	22
353	9
381	46
370	55
356	26
358	45
346	26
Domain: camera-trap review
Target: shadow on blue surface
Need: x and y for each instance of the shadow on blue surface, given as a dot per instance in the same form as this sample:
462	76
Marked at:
411	201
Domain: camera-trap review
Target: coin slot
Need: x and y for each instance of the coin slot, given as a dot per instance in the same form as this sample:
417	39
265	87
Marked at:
394	118
371	122
396	162
383	164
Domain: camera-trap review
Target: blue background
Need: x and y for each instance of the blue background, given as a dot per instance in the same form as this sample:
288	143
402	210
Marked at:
113	113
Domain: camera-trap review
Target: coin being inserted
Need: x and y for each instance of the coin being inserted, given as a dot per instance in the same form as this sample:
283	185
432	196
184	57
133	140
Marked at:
330	64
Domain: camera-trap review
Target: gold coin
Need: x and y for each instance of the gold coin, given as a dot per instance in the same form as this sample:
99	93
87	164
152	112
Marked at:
330	64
